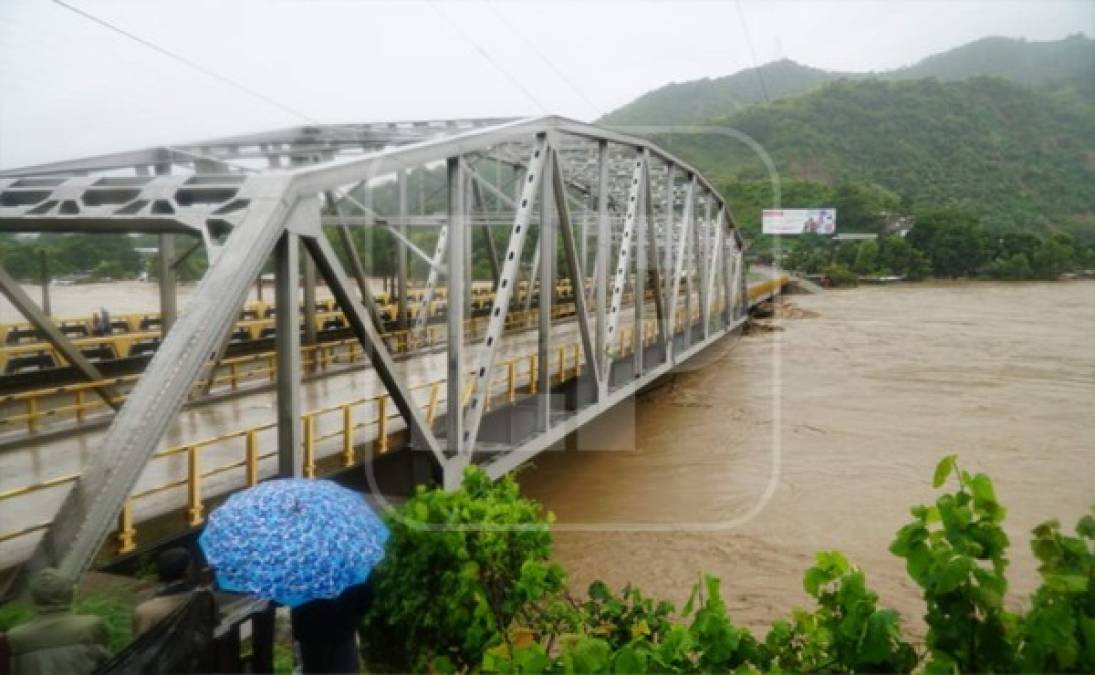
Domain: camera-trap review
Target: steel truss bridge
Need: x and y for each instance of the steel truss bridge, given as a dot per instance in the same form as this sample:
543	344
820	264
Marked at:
654	243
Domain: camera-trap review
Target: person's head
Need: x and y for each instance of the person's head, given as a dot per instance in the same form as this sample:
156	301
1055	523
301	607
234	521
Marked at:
50	590
173	565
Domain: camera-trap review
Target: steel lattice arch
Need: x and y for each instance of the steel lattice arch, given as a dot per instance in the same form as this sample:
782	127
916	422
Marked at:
641	236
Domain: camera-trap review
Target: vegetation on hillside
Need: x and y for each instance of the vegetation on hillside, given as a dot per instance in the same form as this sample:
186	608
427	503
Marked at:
1061	64
1014	157
467	586
999	129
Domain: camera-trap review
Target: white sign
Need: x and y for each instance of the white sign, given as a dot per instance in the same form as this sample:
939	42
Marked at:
799	221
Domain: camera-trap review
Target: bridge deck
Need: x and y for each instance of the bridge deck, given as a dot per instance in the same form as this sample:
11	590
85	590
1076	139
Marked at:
34	479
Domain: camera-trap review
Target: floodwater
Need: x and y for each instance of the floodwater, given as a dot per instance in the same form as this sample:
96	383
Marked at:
118	297
821	433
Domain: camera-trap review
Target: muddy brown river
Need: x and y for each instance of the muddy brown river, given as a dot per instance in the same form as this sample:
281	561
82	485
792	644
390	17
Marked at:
823	431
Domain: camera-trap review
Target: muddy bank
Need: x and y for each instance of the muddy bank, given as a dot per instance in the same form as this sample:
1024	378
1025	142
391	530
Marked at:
822	434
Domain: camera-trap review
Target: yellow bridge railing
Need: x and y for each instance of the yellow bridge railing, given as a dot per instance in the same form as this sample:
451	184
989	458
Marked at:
351	418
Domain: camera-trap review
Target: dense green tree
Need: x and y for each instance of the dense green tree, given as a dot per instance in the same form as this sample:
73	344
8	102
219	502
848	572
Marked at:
953	239
1053	257
866	257
1012	268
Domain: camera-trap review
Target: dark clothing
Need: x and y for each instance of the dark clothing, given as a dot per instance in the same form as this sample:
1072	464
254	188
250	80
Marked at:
327	630
167	600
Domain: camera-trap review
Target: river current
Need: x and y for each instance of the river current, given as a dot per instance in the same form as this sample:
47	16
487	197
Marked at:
820	429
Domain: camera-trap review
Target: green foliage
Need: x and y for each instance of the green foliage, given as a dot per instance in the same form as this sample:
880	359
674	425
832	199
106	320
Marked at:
866	257
1011	155
14	613
108	270
847	632
1060	63
839	274
623	618
946	243
1058	632
284	663
461	569
1054	257
101	255
955	550
190	269
115	613
1015	268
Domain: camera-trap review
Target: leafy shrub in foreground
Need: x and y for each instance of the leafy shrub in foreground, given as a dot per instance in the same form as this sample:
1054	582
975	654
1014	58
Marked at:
956	551
461	567
488	600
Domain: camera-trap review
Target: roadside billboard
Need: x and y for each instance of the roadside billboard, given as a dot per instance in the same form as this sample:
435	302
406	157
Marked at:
798	221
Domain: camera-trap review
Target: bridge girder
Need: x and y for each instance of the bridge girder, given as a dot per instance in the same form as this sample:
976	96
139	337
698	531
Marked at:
245	213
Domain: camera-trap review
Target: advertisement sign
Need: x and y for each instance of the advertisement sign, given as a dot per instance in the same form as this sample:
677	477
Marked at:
799	221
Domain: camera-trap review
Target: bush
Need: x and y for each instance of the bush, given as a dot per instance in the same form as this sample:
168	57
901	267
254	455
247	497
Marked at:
1014	268
955	549
840	275
461	570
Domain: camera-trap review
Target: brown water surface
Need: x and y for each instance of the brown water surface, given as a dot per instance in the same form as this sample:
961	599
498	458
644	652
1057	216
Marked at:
841	416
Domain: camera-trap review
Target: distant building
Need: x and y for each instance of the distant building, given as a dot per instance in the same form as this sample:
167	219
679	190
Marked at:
854	236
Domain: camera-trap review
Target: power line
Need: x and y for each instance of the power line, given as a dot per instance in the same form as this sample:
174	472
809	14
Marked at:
528	43
449	23
187	62
752	55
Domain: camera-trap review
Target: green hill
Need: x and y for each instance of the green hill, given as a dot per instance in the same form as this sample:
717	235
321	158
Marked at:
699	100
1031	63
1012	155
1069	62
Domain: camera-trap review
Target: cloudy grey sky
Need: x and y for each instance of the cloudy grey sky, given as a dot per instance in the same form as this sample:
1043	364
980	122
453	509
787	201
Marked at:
70	87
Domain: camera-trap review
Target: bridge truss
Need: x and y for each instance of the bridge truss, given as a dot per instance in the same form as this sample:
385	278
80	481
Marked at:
637	231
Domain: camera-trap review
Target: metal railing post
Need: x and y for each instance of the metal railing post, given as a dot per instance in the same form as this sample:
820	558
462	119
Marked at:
194	510
127	534
382	424
348	435
252	458
309	446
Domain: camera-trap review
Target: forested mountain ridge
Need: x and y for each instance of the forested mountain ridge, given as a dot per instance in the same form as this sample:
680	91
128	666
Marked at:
1009	154
1066	63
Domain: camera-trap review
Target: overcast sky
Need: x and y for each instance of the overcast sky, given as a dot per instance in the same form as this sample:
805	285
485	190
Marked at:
70	87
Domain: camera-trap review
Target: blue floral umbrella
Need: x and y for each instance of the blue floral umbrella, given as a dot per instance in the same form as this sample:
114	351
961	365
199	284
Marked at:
293	540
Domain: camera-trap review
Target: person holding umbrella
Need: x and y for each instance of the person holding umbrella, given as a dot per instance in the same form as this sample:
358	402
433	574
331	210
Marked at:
306	544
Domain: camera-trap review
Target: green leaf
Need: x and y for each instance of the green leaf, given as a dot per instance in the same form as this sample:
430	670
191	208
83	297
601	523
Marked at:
443	665
590	655
983	492
629	660
875	646
687	609
1067	583
943	469
1086	527
530	659
955	572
